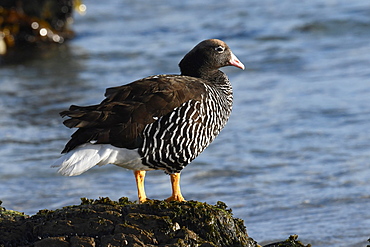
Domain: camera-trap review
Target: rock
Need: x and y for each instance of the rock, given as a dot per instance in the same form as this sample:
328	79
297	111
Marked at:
290	242
77	241
35	29
52	242
26	22
108	223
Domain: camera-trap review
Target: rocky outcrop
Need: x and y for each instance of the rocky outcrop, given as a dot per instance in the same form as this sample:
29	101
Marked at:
105	222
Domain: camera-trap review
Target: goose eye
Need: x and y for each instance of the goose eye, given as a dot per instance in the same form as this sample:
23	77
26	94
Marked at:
220	49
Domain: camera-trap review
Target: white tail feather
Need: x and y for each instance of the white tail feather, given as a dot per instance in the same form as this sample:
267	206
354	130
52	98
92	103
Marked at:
87	156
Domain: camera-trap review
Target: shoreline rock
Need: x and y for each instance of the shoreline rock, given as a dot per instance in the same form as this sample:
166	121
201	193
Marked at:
104	222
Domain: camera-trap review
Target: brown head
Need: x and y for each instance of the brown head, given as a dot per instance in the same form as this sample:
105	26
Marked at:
209	55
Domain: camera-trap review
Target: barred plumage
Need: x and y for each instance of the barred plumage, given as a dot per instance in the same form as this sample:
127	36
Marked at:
174	140
159	122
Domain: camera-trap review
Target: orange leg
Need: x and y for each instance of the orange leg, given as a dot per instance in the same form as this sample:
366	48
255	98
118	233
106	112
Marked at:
176	192
140	176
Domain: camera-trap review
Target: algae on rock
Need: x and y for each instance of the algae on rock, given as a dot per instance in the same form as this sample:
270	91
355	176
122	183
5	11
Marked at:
290	242
105	222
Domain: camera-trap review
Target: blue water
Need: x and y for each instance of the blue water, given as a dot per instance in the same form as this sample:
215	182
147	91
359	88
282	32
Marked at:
295	155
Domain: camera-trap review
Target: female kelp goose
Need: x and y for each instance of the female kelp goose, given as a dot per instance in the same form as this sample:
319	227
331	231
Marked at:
159	122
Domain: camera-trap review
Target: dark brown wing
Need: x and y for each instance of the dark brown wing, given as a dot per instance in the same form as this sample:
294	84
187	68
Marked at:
121	118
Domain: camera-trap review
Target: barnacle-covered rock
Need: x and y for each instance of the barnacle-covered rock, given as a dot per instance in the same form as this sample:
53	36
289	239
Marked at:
105	222
290	242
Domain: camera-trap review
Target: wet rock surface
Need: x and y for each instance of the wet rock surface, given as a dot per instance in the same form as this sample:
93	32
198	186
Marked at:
292	241
105	222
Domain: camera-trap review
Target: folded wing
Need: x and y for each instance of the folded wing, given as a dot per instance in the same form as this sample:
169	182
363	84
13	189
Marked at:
121	118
